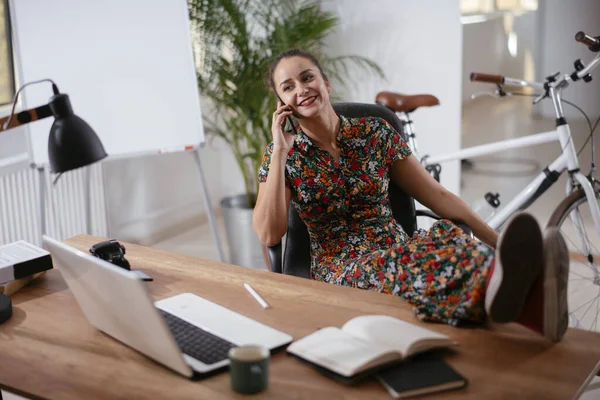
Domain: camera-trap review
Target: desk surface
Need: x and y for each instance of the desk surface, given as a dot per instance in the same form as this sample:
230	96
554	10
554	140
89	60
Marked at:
49	350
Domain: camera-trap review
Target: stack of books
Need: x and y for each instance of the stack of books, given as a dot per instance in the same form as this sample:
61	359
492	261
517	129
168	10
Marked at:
405	358
20	263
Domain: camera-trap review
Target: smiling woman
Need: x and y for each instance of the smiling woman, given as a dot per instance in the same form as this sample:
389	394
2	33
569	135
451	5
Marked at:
335	172
7	86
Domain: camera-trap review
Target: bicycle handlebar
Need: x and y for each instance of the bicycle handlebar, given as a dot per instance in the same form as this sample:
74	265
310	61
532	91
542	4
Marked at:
593	43
479	77
504	80
555	81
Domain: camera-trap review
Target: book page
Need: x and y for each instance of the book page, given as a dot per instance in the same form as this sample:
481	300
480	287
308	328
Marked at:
395	334
338	351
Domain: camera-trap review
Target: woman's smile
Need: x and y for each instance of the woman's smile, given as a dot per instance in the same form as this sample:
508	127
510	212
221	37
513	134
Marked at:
307	102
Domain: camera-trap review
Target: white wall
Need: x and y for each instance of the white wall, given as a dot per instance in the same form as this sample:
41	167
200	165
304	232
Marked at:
485	49
418	46
149	195
545	45
561	21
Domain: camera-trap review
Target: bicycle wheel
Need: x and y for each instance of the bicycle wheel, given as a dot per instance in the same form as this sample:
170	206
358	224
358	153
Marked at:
573	218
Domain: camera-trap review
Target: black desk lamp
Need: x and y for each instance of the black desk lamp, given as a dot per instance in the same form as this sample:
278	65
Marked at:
72	143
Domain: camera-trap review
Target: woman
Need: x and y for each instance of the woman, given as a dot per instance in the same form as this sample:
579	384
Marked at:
336	172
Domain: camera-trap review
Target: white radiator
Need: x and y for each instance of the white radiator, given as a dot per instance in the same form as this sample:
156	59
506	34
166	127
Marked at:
65	205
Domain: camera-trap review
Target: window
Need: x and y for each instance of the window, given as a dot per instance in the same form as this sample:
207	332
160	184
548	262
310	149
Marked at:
517	5
476	6
7	83
490	6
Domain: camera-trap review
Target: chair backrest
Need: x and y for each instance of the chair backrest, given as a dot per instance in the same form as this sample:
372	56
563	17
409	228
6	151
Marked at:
296	256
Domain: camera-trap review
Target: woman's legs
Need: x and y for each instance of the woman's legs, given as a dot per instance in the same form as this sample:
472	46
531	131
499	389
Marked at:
452	278
442	272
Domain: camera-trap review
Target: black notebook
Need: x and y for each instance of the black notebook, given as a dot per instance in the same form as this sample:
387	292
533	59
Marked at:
422	374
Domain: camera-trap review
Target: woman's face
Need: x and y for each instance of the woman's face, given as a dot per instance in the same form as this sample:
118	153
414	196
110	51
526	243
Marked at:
299	84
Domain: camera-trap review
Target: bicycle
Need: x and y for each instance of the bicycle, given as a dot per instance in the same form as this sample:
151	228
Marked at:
571	214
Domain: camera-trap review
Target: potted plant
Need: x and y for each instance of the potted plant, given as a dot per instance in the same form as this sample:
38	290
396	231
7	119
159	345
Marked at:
236	41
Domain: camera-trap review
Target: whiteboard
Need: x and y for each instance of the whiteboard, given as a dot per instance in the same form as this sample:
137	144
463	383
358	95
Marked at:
127	66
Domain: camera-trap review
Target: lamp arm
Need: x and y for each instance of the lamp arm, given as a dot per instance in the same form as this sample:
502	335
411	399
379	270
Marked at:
6	125
72	143
25	117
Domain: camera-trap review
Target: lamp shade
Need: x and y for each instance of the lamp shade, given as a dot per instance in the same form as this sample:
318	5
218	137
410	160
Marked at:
72	142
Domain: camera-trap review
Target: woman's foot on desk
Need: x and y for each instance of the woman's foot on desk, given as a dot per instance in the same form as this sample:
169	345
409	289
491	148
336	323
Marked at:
528	282
546	308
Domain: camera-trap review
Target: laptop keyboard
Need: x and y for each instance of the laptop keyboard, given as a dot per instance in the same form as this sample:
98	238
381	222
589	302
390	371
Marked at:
196	342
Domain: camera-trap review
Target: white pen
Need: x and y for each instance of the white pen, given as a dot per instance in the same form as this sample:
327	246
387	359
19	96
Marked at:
256	296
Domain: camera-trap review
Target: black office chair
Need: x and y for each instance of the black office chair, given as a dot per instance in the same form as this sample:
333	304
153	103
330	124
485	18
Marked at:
296	258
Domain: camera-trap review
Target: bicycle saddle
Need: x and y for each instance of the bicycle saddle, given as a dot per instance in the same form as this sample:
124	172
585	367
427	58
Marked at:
405	103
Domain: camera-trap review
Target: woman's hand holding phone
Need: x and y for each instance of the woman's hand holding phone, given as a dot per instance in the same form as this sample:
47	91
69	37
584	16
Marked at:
282	140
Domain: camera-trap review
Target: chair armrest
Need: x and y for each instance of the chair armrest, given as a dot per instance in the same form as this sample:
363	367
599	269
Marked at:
431	214
427	213
275	258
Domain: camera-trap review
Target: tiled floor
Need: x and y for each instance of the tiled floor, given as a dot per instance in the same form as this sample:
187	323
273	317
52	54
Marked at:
198	242
487	120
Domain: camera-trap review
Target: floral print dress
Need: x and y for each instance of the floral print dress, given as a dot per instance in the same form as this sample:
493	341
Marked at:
355	240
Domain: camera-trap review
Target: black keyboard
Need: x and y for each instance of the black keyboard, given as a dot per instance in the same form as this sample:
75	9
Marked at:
196	342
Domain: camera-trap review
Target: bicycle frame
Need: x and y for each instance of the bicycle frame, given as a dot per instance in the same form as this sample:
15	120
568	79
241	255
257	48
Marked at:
566	161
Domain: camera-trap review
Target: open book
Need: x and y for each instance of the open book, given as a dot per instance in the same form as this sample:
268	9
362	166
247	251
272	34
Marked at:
364	343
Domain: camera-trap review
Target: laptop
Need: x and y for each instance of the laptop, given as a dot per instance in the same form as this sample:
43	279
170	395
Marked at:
186	332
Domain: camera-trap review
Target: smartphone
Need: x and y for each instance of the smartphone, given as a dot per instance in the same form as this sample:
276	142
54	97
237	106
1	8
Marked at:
290	125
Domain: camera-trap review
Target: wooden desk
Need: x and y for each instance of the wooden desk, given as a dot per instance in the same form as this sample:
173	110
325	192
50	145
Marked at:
49	350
